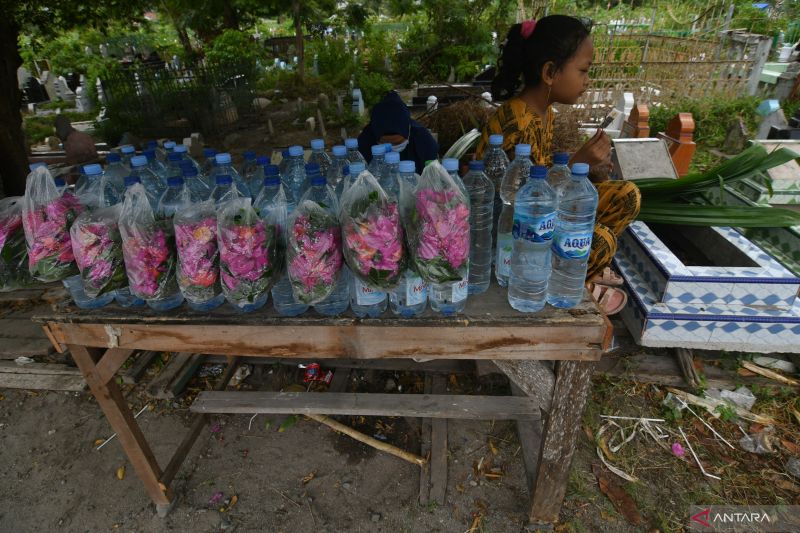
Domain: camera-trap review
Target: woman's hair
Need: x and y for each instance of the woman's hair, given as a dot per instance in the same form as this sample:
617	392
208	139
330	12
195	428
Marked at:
555	38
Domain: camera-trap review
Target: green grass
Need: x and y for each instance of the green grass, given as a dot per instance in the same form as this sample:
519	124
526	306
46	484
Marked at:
38	128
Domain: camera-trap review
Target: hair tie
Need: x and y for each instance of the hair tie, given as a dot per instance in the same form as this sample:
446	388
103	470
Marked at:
527	28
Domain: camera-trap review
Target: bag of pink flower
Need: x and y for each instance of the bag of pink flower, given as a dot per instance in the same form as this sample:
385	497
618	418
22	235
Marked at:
97	245
313	252
148	247
249	260
198	254
436	218
47	216
14	273
372	233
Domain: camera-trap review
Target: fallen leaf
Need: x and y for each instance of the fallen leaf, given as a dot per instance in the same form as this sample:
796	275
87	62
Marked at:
234	499
603	446
756	428
788	485
308	477
460	487
98	442
791	447
290	421
745	373
492	447
623	502
121	473
588	431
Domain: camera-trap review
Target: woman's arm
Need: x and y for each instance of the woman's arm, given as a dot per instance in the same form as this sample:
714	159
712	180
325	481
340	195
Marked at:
596	152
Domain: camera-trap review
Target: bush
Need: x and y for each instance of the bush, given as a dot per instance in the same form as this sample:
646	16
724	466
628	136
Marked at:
713	116
234	47
374	86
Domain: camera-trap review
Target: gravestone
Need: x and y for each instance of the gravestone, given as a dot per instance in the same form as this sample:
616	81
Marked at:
737	137
642	158
82	101
34	91
48	81
774	117
101	94
432	103
22	77
62	89
358	102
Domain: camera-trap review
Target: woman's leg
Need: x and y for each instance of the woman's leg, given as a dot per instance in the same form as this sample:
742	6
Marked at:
618	204
604	246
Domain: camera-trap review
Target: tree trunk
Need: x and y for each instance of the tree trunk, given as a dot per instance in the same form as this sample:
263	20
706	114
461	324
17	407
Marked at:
299	44
13	152
186	43
230	18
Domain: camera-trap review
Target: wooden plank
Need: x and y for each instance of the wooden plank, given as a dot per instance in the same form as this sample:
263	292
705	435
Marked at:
438	462
38	368
425	450
157	388
530	440
182	379
448	366
132	374
573	381
38	381
534	378
341	378
112	360
332	403
25	347
686	362
362	342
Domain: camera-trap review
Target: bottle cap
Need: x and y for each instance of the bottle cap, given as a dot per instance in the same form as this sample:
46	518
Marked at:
271	170
132	180
92	170
150	154
450	164
560	158
351	144
180	149
378	149
295	151
248	155
112	157
223	159
150	145
387	147
169	145
312	169
174	181
476	165
33	166
318	180
189	171
185	163
407	167
209	152
495	140
262	160
356	168
138	161
580	169
538	172
317	144
392	157
523	150
271	181
59	181
339	150
127	149
223	179
174	156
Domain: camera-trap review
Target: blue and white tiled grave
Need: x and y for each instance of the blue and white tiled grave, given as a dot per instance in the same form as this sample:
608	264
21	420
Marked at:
751	307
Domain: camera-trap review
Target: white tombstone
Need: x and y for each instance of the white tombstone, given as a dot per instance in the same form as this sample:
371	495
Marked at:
358	102
101	94
104	50
48	81
63	90
22	77
433	103
82	101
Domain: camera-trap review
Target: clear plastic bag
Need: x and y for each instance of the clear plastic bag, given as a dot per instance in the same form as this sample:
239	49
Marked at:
97	245
14	273
248	246
198	252
47	216
313	252
435	214
372	234
148	246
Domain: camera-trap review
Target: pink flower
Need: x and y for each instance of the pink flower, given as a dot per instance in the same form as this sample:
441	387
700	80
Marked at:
47	234
197	250
314	255
677	449
443	227
148	257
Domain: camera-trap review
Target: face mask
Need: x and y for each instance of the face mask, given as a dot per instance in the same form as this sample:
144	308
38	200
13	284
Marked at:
400	147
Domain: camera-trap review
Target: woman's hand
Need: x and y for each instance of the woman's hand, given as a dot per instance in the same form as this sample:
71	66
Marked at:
596	152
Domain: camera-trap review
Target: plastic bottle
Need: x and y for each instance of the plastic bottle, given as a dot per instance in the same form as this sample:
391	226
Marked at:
183	150
166	148
319	156
127	152
155	165
355	170
61	185
481	198
283	165
408	173
255	176
224	167
516	174
95	190
572	240
534	220
449	298
283	299
376	167
198	190
338	300
389	182
175	197
269	189
353	155
320	192
559	174
410	297
248	164
336	172
209	161
151	182
451	166
115	171
223	189
174	169
294	175
366	301
495	163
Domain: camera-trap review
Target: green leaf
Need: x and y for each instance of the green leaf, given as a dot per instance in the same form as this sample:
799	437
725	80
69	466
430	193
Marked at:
667	212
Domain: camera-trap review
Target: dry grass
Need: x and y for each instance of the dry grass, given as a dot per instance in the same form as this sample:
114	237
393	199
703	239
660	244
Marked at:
454	120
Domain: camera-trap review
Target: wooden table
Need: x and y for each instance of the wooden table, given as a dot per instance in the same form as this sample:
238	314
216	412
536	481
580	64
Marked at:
102	340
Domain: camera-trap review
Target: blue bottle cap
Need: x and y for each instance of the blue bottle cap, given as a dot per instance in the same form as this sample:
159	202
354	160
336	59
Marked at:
285	153
450	164
169	145
223	179
92	170
185	163
392	158
33	166
560	158
223	159
351	143
180	149
248	155
262	160
476	165
112	157
295	151
150	154
151	145
209	152
318	180
339	150
127	149
538	172
317	144
523	150
132	180
580	169
59	181
346	170
138	161
378	149
387	147
271	181
407	167
495	140
356	168
174	181
271	170
311	169
174	156
189	171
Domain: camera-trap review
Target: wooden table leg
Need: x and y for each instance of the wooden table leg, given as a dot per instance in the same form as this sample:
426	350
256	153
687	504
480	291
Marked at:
109	397
573	381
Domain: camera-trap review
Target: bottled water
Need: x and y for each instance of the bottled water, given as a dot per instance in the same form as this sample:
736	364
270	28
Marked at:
255	176
389	182
355	170
166	148
173	165
481	199
377	166
175	197
155	165
559	174
449	298
410	298
534	219
209	161
95	190
284	301
338	300
198	189
572	241
223	190
495	163
115	171
294	174
516	174
127	152
225	168
408	176
183	151
283	165
61	185
124	298
319	156
366	301
353	155
320	192
451	166
339	168
269	189
249	164
151	182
